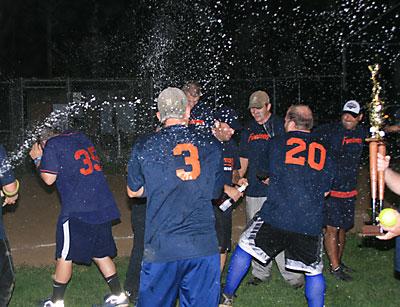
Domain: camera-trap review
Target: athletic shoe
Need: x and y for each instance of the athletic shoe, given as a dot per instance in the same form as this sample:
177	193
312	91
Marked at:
132	296
225	300
346	268
48	303
112	300
340	274
255	281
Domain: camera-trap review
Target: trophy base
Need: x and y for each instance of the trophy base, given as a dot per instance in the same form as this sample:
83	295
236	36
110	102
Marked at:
371	231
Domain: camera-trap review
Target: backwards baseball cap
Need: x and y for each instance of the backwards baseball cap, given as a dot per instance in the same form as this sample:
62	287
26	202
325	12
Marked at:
171	103
228	116
352	107
258	99
193	88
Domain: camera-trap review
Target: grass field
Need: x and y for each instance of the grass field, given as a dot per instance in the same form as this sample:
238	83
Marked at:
373	283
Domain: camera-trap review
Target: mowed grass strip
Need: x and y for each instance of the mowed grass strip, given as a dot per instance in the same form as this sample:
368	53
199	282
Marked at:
373	283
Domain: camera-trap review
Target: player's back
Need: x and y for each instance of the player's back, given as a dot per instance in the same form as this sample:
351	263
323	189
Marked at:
82	186
300	173
181	168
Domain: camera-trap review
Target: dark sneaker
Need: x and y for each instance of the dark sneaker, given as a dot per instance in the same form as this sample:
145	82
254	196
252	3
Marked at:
346	268
49	303
132	296
225	300
340	274
255	281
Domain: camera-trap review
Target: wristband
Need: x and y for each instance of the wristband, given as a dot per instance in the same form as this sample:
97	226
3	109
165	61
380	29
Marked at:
37	161
12	194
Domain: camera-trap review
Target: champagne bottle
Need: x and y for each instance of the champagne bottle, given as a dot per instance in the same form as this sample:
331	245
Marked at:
229	202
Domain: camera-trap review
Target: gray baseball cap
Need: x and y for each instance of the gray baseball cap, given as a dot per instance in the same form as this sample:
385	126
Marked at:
258	99
171	103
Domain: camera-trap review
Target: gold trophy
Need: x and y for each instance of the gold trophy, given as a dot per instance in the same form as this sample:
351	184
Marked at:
376	144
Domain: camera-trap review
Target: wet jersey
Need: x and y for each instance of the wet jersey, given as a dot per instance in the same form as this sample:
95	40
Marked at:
6	177
346	147
202	115
253	141
230	154
300	173
181	170
83	189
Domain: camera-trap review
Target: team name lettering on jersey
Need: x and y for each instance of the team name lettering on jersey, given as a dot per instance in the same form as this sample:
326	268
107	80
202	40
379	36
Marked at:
192	159
197	122
351	141
228	164
299	154
258	136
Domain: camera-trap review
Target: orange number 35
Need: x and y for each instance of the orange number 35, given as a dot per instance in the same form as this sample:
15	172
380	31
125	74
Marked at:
192	159
301	147
90	160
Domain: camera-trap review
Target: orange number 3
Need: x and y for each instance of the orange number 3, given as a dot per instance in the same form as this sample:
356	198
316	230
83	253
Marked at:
192	159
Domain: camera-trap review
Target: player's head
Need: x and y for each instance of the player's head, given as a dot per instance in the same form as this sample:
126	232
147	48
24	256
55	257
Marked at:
172	104
351	114
192	91
45	134
226	123
299	117
259	106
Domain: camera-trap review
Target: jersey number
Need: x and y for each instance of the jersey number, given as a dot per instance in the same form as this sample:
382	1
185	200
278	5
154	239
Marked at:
301	159
192	159
90	160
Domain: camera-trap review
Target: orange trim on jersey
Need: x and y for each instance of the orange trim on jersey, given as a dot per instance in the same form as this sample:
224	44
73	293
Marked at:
351	141
339	194
196	122
228	162
259	136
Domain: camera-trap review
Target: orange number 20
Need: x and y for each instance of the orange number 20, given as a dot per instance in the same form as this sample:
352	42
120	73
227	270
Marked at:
192	159
301	147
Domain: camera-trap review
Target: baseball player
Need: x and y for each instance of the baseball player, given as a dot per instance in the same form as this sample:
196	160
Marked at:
345	140
84	233
291	218
254	138
201	114
227	123
179	169
9	189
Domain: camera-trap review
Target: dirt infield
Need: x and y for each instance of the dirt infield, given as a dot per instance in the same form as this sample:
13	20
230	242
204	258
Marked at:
31	226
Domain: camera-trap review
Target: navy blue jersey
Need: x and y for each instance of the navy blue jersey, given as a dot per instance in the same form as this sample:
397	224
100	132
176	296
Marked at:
6	177
181	170
253	142
300	173
230	154
346	147
202	115
83	189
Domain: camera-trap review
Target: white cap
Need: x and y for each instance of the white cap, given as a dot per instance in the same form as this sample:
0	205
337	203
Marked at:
352	107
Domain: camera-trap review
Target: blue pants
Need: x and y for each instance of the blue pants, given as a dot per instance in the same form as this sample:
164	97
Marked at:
7	275
397	255
195	280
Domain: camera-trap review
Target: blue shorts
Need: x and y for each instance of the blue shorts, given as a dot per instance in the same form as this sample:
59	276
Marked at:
81	242
339	212
195	280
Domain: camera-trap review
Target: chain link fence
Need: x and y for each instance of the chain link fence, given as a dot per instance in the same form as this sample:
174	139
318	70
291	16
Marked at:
114	112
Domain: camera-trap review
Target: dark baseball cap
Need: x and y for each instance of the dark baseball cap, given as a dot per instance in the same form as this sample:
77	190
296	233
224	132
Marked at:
228	116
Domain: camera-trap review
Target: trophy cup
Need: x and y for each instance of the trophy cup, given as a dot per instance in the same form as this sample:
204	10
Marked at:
376	145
